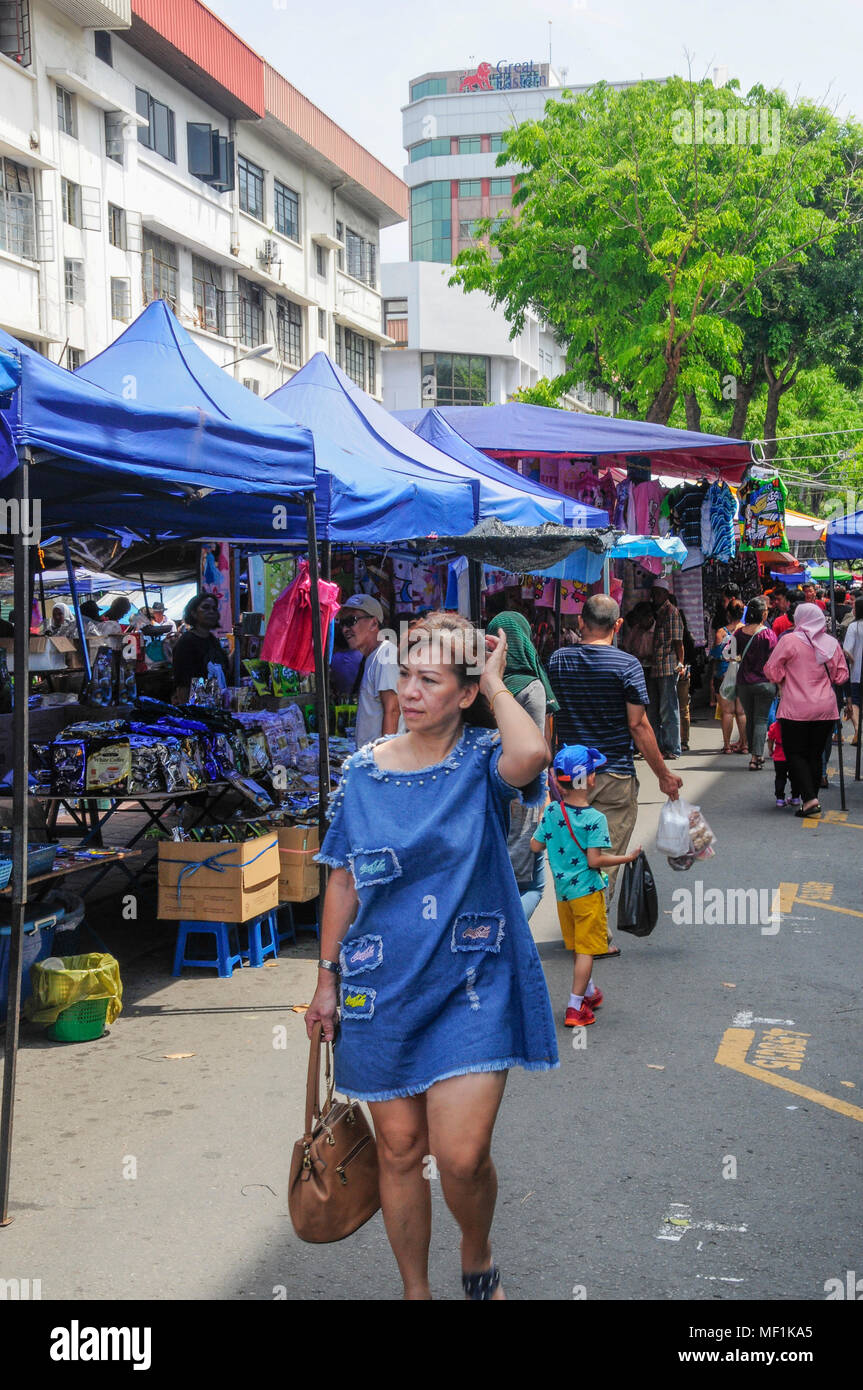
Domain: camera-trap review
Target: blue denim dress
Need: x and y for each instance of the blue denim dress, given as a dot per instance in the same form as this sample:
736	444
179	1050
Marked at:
440	974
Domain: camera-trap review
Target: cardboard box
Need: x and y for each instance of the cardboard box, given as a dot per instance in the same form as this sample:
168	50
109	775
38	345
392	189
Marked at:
299	875
46	653
247	887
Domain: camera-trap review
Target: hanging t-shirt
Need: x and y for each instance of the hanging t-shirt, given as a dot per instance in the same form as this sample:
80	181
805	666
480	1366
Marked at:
646	499
763	513
403	586
621	502
718	531
683	506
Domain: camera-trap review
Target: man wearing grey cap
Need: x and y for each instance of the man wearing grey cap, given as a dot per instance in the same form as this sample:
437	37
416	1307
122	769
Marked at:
360	620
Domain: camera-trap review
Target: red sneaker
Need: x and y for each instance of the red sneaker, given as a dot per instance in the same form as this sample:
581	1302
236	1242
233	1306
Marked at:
579	1018
593	1001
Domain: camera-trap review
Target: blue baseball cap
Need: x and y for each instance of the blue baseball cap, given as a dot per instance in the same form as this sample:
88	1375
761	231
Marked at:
575	760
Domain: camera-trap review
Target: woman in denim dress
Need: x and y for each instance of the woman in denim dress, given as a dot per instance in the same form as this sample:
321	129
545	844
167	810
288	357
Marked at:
441	988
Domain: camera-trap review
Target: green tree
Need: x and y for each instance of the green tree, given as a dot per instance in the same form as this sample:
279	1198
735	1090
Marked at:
646	219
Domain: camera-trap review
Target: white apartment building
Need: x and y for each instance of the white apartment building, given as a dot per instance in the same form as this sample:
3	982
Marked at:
452	348
147	152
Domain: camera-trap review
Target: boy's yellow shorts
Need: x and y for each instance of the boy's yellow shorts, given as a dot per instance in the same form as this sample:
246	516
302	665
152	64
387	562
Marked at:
584	924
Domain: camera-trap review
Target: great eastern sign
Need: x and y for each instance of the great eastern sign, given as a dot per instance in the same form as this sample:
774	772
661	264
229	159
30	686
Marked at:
504	76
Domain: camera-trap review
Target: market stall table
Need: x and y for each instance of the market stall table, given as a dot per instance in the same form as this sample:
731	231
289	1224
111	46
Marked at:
104	862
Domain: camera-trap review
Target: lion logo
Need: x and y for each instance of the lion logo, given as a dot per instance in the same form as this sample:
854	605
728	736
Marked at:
479	81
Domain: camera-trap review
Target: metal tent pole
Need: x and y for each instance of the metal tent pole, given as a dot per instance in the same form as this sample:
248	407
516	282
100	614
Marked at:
557	587
73	590
20	807
320	690
839	720
475	584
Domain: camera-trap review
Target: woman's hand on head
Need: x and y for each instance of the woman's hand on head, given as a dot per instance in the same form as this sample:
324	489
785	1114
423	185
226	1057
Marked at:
495	661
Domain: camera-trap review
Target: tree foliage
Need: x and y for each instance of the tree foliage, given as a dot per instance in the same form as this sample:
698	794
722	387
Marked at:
652	225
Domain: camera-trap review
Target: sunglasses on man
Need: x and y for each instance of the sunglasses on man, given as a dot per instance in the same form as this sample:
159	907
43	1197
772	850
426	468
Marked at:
352	620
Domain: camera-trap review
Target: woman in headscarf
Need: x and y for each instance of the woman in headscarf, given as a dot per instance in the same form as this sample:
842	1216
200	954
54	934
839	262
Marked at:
525	678
807	663
61	623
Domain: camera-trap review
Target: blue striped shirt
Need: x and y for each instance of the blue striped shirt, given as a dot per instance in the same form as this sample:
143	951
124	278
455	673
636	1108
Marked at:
593	685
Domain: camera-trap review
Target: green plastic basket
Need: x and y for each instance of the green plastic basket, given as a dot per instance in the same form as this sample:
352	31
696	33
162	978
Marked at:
80	1022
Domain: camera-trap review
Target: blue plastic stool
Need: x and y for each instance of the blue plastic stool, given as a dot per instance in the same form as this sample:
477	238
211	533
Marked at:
224	959
258	949
290	932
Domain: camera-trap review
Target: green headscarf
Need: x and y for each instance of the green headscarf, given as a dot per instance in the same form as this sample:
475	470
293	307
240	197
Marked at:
522	663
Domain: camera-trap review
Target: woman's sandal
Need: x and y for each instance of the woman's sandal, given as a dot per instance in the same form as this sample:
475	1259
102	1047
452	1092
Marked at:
812	811
728	749
480	1287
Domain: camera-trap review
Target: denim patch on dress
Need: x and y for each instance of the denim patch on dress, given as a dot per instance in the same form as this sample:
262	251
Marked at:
366	953
478	931
357	1002
374	866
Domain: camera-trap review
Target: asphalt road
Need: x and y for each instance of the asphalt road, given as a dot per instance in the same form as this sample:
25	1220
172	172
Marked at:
644	1168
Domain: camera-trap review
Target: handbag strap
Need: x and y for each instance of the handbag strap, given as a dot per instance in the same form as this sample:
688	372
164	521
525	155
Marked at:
570	829
313	1081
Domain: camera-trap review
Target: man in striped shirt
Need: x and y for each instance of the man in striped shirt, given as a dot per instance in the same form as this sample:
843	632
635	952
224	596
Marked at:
602	698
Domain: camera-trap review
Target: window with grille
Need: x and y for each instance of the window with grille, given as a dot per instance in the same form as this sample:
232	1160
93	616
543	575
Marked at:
74	358
102	46
117	226
74	280
500	188
372	261
159	132
322	324
160	267
470	188
121	299
372	382
289	331
211	155
340	346
66	114
15	31
251	183
467	231
321	261
251	313
355	357
114	146
340	236
286	211
208	296
469	144
17	210
361	257
70	196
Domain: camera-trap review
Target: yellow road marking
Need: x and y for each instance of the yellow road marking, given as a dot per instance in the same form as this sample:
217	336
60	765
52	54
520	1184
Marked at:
788	898
831	818
732	1051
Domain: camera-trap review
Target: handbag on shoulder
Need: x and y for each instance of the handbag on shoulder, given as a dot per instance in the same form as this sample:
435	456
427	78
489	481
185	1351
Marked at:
333	1186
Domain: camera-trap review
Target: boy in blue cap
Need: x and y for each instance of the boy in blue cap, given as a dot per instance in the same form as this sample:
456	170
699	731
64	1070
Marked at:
576	838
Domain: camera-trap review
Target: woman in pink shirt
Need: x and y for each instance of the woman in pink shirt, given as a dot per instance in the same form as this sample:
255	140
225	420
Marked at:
807	663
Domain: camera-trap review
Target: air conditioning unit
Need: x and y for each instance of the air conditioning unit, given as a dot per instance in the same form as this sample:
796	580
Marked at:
269	254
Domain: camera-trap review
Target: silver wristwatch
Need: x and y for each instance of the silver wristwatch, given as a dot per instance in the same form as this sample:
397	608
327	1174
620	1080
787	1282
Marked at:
329	965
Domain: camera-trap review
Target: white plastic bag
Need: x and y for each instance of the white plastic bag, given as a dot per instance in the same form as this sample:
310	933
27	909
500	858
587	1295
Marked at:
672	835
700	838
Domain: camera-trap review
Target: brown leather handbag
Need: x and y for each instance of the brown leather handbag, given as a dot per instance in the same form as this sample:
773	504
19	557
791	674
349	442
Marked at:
333	1188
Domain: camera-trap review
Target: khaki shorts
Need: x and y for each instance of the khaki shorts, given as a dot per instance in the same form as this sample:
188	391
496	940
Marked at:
583	922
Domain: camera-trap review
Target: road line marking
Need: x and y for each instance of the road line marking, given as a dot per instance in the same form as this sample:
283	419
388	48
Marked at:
720	1278
745	1018
732	1051
788	897
678	1220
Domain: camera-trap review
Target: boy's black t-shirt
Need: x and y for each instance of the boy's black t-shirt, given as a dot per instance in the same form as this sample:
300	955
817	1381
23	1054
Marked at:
192	655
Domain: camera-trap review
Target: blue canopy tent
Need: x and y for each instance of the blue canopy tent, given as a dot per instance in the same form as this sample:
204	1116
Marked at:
322	397
515	430
76	445
843	540
431	426
587	566
364	493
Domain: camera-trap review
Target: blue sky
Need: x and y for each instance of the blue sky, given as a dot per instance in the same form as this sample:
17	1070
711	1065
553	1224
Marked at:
355	60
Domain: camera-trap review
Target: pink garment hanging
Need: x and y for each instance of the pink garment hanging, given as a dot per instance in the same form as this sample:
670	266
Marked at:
288	640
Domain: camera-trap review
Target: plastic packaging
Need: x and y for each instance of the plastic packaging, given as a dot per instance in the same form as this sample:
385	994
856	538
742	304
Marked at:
91	976
701	839
672	835
638	906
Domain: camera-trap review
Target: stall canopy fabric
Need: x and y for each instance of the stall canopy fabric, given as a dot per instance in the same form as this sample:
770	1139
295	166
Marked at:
844	538
364	494
322	397
90	442
587	567
431	426
515	430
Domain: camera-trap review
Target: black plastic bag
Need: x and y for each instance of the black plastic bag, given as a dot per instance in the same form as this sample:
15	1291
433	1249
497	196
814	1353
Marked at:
638	907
